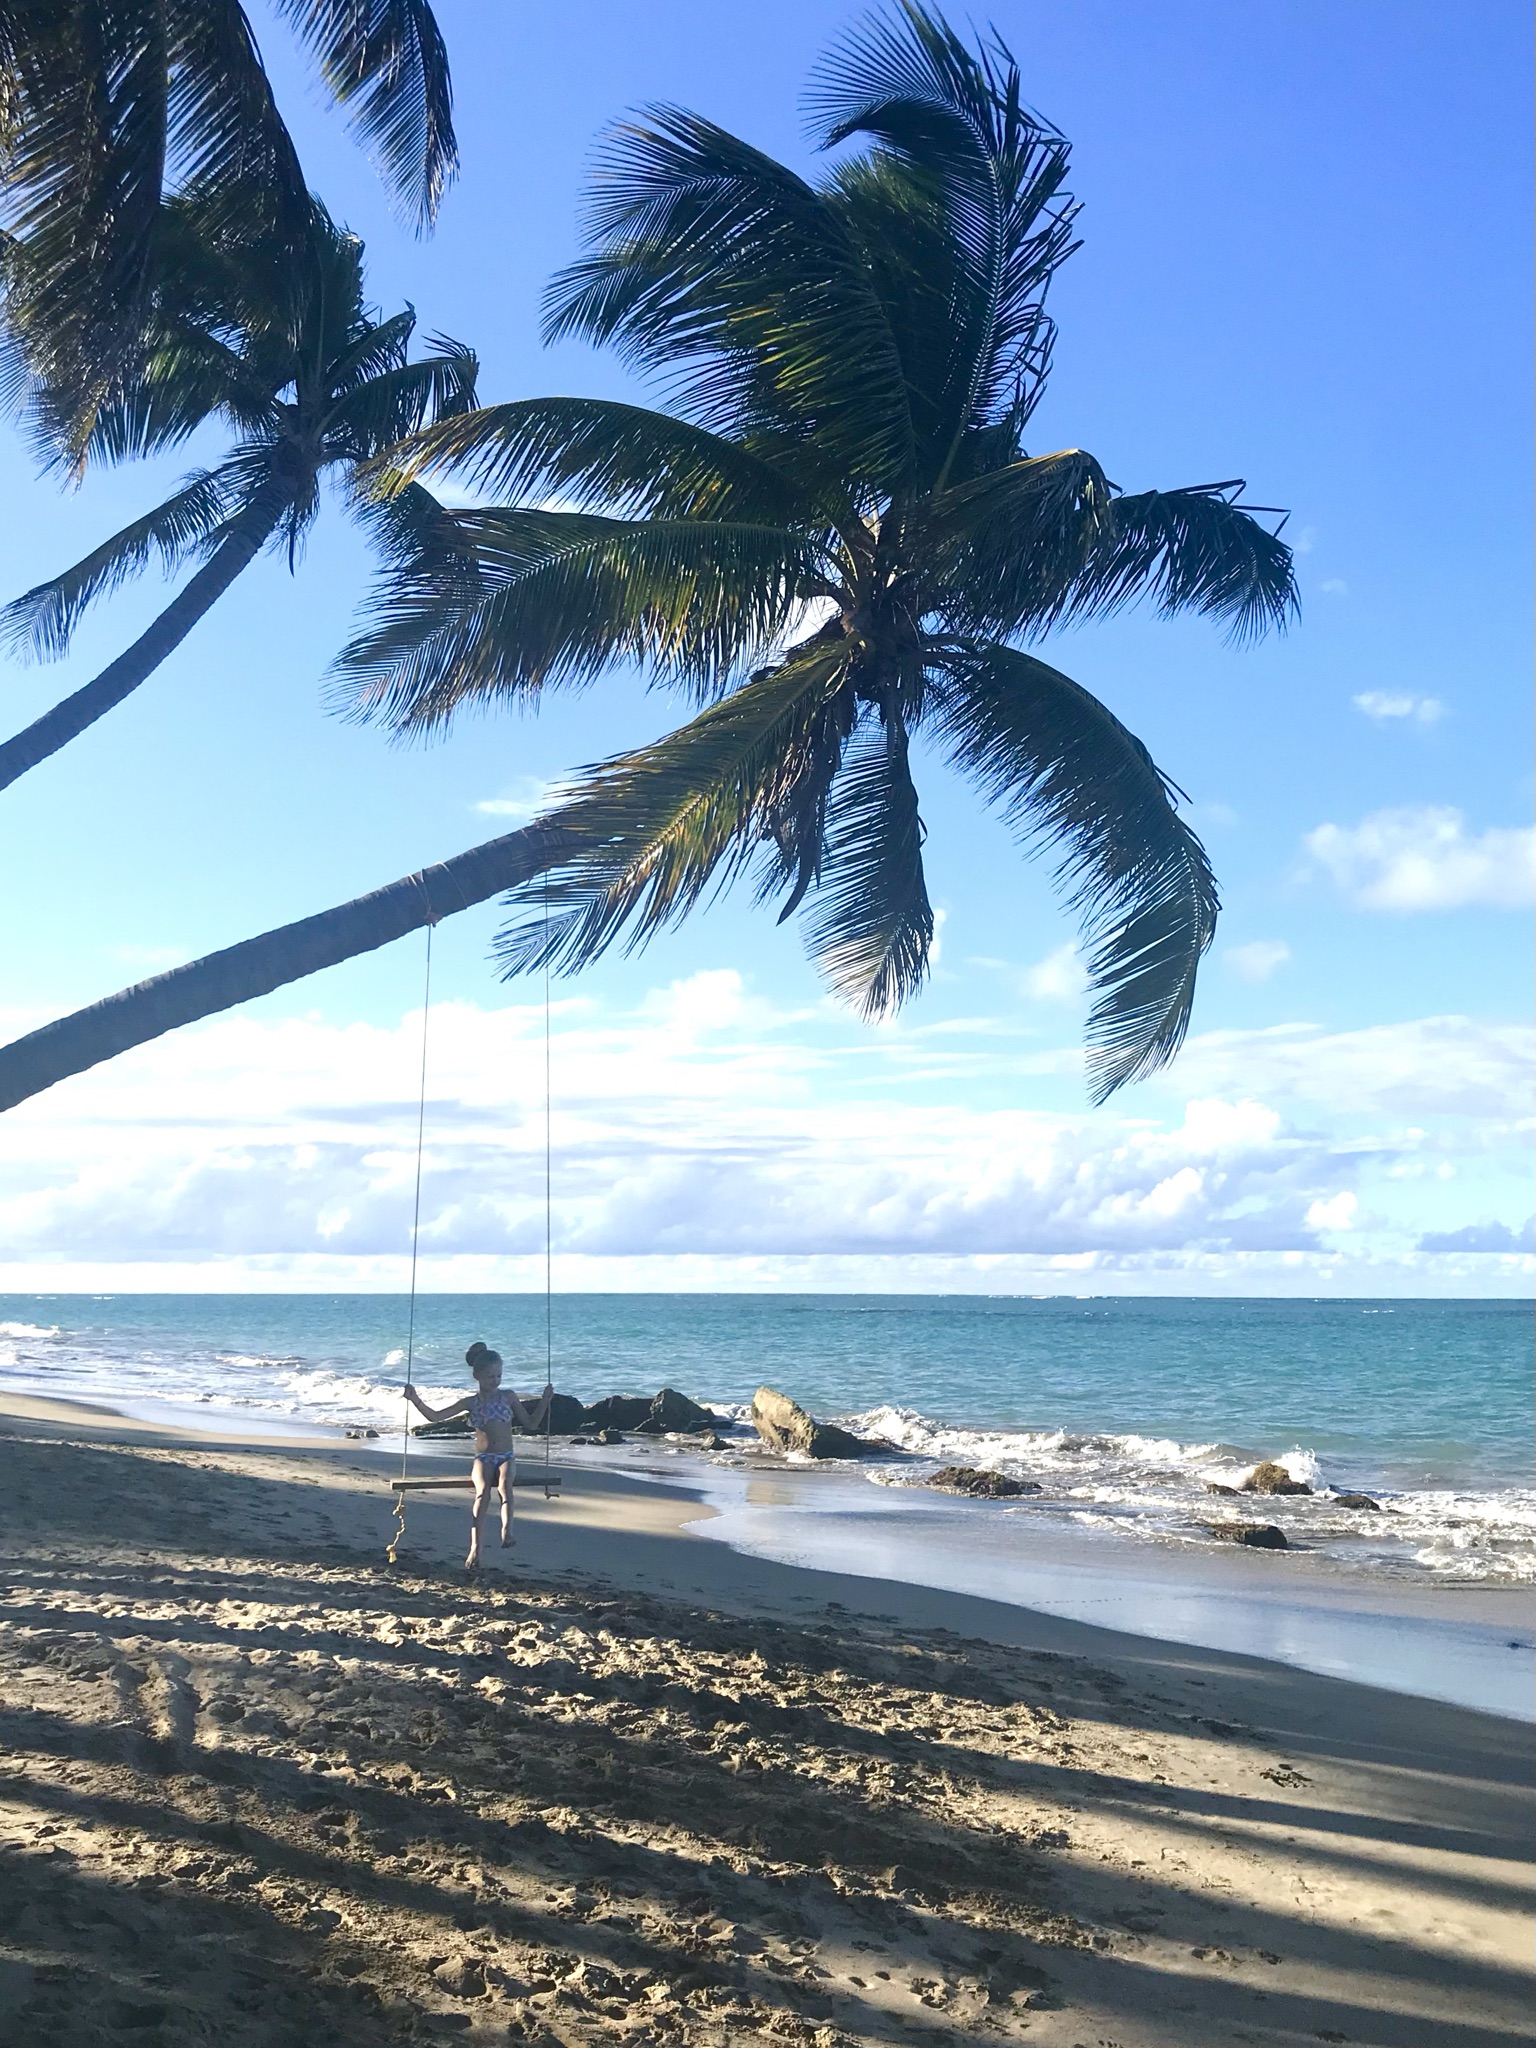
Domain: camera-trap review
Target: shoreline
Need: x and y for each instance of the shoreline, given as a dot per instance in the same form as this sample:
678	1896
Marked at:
1470	1645
633	1785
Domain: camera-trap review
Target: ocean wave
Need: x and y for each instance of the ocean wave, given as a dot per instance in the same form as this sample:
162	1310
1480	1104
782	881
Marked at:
1158	1489
25	1330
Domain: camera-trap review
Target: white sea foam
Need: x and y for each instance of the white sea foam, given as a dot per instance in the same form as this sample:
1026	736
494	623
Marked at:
1157	1489
28	1330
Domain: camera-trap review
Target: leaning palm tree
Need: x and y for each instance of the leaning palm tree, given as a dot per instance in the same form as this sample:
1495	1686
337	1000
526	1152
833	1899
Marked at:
284	351
837	539
109	106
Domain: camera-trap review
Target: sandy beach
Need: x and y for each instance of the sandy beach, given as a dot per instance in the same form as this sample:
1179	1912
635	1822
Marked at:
630	1785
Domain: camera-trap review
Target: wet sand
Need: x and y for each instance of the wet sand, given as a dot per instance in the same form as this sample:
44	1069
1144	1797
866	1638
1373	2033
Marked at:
634	1786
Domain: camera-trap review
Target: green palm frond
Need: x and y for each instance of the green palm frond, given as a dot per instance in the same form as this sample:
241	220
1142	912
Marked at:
41	622
872	925
228	143
111	109
955	119
720	268
1191	550
84	169
1075	784
600	454
523	600
188	378
651	831
372	415
376	347
385	60
1007	548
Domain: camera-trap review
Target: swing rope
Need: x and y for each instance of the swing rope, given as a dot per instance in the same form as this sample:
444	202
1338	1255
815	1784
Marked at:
549	1211
410	1332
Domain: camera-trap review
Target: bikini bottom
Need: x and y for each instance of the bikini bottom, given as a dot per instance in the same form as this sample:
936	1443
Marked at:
493	1461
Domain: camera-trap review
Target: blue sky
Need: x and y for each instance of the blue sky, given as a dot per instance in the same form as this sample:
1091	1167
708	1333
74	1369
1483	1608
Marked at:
1305	234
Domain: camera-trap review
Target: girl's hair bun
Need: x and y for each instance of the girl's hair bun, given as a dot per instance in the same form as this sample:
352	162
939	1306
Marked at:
476	1354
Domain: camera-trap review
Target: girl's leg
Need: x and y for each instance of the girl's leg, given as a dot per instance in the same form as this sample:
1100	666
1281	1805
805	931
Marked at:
477	1509
505	1490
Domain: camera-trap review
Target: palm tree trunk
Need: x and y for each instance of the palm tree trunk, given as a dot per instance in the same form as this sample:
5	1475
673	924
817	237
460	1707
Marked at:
71	715
257	966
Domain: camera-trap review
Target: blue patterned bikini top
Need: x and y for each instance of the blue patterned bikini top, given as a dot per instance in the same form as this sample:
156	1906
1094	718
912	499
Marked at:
484	1408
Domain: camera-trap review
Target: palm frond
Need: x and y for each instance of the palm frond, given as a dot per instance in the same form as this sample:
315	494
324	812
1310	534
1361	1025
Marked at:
386	61
1074	783
84	169
374	414
1005	549
872	926
228	145
599	454
719	268
381	345
956	120
519	600
654	829
41	622
1191	550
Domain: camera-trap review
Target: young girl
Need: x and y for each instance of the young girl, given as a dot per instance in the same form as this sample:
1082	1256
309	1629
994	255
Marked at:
491	1412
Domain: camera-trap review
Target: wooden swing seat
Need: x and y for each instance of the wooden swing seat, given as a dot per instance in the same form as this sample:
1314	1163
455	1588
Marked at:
550	1485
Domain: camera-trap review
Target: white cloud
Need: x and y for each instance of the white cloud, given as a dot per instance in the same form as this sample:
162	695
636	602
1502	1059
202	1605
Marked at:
1208	816
529	795
1337	1212
705	1133
1422	857
1257	960
1058	978
1389	704
1426	1066
1334	586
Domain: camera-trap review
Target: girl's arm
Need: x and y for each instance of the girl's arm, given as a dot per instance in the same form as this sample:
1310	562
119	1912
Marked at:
436	1414
532	1414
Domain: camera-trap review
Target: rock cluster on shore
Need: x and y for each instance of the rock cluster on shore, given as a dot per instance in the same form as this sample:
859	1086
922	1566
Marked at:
1268	1477
786	1427
1252	1535
979	1483
642	1415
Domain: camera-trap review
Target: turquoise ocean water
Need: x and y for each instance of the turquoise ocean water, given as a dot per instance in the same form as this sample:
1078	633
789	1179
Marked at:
1123	1411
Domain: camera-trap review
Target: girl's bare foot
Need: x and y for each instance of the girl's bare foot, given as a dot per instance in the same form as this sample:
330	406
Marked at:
473	1559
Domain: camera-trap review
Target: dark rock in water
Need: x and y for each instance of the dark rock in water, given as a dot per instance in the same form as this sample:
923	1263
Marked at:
674	1411
611	1436
1212	1486
565	1415
358	1434
980	1484
1357	1500
619	1411
1268	1477
1253	1535
785	1426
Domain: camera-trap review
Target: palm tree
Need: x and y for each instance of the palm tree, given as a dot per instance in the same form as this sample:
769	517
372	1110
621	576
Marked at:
106	106
287	353
837	539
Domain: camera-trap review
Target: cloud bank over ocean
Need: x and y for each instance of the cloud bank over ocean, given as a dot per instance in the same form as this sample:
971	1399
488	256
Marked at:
705	1138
